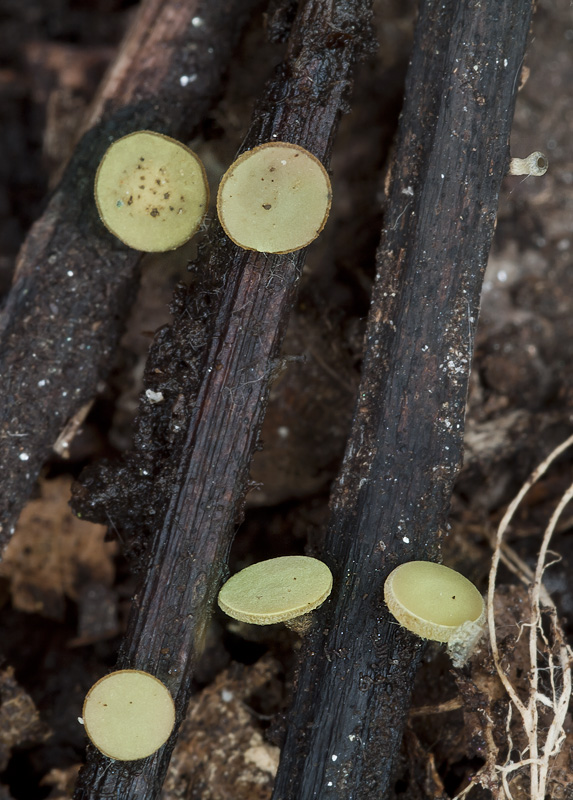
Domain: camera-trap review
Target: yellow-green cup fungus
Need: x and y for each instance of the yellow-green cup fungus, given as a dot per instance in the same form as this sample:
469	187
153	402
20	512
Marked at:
151	191
274	198
436	602
276	590
128	714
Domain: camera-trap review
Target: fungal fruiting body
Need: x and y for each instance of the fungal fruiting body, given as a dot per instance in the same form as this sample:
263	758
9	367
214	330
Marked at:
535	164
277	590
151	191
274	198
128	714
435	602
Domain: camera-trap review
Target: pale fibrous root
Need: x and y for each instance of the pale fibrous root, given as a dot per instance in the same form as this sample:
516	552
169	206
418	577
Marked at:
548	652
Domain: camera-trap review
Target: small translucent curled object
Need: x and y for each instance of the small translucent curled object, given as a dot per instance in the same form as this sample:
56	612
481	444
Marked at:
535	164
433	601
274	198
128	714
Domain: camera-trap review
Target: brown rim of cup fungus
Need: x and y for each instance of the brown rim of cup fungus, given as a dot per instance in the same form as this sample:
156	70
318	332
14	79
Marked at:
128	714
433	601
277	590
274	198
151	191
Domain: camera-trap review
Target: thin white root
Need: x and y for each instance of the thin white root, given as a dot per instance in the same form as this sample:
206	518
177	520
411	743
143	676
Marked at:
560	654
544	738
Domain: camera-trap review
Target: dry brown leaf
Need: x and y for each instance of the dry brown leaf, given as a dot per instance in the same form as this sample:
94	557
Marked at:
53	554
62	782
19	718
221	753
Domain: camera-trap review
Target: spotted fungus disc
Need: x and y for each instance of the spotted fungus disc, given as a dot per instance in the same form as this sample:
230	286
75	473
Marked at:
276	590
274	198
128	714
151	191
433	601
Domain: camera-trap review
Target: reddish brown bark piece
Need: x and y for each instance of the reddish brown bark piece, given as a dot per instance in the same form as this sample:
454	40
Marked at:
74	281
198	448
391	501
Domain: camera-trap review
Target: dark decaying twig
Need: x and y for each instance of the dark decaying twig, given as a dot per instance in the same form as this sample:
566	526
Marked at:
196	449
74	281
391	501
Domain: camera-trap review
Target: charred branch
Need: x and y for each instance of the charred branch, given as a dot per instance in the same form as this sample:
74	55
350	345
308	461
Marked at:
227	330
74	282
392	497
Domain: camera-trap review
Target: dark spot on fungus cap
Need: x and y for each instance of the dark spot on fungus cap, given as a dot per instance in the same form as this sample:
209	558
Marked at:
279	216
148	159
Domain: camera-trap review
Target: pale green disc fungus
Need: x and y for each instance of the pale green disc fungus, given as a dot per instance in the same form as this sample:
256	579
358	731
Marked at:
274	198
433	601
151	191
277	590
128	714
